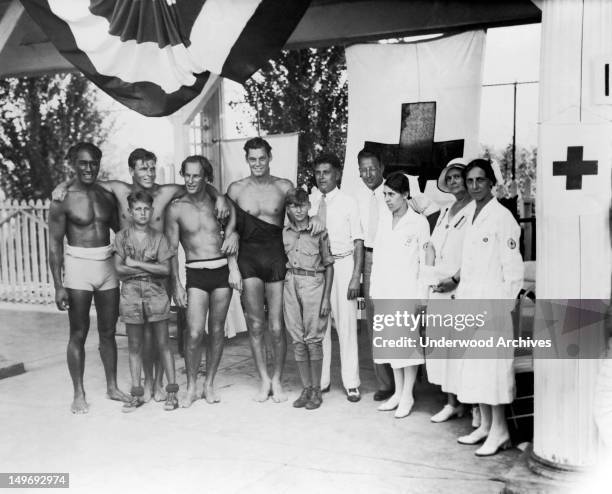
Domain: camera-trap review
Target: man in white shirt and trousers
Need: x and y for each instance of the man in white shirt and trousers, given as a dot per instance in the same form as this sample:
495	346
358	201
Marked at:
371	202
340	214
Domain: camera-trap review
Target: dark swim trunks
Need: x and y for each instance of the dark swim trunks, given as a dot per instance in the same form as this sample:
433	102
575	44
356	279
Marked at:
208	279
262	253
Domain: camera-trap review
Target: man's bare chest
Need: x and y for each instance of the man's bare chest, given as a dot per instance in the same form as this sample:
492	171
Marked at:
85	208
194	220
267	201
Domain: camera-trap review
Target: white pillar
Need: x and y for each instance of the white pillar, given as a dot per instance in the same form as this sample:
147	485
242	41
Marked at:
573	234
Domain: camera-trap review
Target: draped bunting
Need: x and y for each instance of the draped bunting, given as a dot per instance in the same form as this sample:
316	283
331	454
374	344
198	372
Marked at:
155	56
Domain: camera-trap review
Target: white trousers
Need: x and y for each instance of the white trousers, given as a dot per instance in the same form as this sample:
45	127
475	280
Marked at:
344	313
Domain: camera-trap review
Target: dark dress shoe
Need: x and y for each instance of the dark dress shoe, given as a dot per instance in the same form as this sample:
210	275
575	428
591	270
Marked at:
315	399
383	394
326	389
304	398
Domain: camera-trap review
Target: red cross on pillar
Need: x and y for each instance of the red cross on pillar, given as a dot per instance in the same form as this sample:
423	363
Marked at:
574	168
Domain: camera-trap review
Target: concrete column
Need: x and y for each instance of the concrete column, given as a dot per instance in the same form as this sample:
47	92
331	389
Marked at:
573	233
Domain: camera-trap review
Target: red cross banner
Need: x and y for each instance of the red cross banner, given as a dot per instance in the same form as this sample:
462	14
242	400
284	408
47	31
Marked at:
155	56
416	104
575	168
573	199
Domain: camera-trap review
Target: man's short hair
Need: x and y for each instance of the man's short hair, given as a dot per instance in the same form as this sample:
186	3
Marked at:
330	158
94	150
364	153
139	154
485	166
296	196
139	196
257	143
207	169
150	156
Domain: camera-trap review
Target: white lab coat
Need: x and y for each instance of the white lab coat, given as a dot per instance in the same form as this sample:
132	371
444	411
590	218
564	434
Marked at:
491	268
447	239
399	255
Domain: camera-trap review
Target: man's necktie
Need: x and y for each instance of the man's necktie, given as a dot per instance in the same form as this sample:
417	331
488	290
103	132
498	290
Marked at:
372	220
322	212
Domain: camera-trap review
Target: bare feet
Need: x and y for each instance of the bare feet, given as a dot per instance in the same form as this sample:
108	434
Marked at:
171	402
160	393
190	397
79	405
148	392
264	391
209	394
117	395
278	394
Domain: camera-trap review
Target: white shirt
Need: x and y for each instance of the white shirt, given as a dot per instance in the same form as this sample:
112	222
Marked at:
342	221
363	196
491	266
399	256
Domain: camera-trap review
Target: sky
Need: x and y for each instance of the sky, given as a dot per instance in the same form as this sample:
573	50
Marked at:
512	54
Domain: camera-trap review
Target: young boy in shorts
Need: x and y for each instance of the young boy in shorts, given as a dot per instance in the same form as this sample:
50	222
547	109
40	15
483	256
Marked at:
142	260
306	295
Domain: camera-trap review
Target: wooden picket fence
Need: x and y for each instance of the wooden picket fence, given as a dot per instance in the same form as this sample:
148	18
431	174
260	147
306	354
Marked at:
24	239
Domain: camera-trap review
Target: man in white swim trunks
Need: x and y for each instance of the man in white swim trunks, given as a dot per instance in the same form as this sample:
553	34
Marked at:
85	217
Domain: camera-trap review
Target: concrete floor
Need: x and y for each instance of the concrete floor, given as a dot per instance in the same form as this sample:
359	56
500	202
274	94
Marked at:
235	446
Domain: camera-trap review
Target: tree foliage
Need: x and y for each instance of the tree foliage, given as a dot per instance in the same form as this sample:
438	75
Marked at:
303	91
40	118
525	172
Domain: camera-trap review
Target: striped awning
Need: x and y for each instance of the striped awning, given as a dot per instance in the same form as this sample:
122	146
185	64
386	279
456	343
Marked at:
154	56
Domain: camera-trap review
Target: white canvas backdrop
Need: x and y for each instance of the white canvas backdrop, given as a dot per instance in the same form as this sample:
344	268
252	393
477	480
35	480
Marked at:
381	77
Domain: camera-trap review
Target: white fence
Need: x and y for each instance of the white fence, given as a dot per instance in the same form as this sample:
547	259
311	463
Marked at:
24	269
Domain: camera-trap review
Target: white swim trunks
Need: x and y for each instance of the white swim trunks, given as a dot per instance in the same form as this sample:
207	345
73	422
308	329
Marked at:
89	268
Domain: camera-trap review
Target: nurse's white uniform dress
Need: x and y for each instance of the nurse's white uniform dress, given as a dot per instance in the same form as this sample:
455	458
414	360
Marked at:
399	255
447	239
491	268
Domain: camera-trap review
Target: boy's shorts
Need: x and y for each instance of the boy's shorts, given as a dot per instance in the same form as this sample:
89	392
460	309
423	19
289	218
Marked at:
302	297
144	299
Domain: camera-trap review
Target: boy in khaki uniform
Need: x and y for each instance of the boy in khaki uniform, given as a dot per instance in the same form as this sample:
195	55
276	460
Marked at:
306	295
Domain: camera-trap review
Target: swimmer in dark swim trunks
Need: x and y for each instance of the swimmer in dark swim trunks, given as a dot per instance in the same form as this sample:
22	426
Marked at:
210	277
260	211
207	274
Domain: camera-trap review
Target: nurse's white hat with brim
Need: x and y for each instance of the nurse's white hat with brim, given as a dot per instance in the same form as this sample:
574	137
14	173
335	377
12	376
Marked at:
458	163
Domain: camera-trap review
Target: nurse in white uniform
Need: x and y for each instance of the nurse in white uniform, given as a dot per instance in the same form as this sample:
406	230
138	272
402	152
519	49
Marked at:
491	268
447	248
399	255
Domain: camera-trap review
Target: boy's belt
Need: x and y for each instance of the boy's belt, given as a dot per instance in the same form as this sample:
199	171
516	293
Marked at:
305	272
